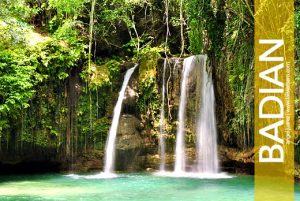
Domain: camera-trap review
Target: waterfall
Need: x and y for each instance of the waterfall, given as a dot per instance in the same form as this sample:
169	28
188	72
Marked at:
180	144
207	151
162	146
205	123
111	141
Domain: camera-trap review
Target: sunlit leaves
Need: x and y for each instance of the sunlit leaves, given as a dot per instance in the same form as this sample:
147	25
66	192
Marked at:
12	32
17	78
68	32
68	7
15	8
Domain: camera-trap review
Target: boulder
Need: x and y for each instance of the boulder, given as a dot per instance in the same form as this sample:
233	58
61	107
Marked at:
85	162
128	133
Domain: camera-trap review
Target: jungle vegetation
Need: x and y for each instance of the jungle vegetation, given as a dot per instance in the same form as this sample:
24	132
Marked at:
61	62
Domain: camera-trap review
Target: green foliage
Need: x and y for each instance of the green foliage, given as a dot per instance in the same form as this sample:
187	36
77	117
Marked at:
96	133
148	102
206	20
102	126
196	25
114	69
69	8
195	37
17	9
224	31
117	17
149	98
13	33
31	65
17	80
240	68
37	68
55	58
68	32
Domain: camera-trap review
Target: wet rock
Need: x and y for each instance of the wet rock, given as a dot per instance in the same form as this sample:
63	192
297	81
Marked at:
131	95
125	66
236	161
172	80
128	133
150	170
129	143
85	162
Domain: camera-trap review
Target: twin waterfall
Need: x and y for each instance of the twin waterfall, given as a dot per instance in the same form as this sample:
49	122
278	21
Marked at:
206	162
205	123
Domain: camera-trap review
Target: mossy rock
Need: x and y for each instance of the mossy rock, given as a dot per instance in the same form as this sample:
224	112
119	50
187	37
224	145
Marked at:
100	75
148	60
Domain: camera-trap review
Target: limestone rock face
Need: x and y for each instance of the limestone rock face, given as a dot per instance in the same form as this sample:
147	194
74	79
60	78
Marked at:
129	143
131	96
128	136
131	93
85	162
172	80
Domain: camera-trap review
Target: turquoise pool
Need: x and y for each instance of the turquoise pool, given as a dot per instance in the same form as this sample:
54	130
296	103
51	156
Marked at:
126	187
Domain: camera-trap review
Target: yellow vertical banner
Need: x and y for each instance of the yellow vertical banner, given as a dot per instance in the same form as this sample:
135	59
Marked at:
274	100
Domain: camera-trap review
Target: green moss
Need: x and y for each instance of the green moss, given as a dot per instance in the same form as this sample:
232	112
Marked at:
105	74
100	75
149	98
148	59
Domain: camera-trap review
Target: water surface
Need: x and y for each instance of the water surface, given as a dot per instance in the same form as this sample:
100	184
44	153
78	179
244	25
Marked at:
126	187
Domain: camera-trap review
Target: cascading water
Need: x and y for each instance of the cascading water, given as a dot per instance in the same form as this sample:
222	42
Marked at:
180	144
206	133
162	146
111	141
207	151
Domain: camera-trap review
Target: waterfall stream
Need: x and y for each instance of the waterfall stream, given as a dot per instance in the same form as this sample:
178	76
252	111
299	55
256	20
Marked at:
111	140
180	144
194	73
162	145
205	123
207	150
